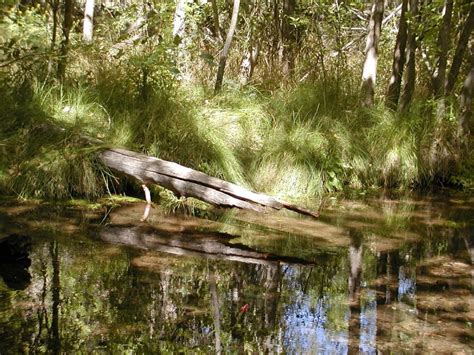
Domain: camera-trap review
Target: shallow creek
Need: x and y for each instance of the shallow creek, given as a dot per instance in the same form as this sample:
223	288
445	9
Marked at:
371	275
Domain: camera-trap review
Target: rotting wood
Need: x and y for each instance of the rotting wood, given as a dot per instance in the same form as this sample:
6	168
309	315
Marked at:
187	182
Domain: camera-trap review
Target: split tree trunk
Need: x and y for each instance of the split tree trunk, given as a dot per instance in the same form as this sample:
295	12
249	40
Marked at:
88	27
225	50
369	72
187	182
393	92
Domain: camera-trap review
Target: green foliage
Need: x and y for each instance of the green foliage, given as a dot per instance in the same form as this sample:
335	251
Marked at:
299	135
24	43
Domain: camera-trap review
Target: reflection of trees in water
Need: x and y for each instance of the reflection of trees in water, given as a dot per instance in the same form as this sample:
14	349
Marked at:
105	303
215	311
54	336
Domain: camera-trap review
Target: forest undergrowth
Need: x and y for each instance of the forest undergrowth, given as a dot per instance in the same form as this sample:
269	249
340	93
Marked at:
298	139
294	143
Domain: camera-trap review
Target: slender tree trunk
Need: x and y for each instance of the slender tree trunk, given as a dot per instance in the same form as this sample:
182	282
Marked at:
288	36
179	20
67	24
410	76
460	49
225	50
247	66
215	18
443	43
179	24
393	92
276	33
369	72
466	103
88	27
54	9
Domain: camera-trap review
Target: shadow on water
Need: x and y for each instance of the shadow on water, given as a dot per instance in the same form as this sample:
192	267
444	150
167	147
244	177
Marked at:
15	261
371	276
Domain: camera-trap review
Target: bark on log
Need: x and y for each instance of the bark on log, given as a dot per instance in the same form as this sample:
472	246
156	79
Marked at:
187	182
208	245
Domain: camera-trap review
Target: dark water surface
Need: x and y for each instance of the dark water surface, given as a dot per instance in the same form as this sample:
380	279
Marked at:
375	275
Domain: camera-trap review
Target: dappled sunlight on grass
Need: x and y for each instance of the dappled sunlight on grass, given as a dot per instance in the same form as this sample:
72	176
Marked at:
290	144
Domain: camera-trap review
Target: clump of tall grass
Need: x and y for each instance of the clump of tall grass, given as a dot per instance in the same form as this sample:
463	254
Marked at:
391	143
43	138
172	126
298	143
317	145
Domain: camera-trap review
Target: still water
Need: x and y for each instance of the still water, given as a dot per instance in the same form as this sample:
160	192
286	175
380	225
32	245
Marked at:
376	275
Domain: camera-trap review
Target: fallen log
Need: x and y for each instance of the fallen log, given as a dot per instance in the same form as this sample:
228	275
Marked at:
211	245
187	182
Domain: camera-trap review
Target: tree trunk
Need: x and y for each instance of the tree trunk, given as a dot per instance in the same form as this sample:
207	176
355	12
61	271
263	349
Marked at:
393	92
247	66
410	76
215	18
88	27
54	10
179	20
288	36
225	50
67	24
369	72
191	183
460	49
54	14
443	43
466	103
276	42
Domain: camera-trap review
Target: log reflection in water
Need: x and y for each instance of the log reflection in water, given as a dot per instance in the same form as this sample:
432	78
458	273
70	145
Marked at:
206	245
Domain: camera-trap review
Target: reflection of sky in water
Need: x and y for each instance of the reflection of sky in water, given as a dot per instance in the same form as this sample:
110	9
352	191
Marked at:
406	284
305	327
368	324
307	330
